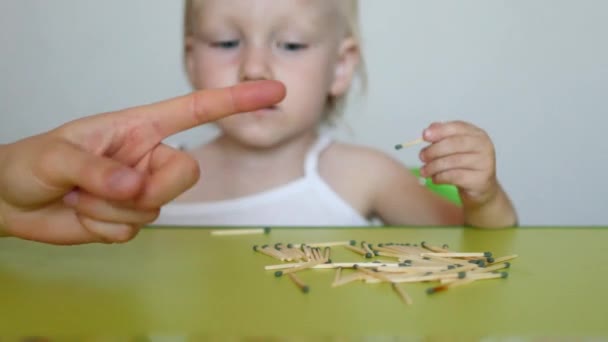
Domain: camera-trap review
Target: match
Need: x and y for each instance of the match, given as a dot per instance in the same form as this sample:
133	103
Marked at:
235	232
299	283
409	144
422	263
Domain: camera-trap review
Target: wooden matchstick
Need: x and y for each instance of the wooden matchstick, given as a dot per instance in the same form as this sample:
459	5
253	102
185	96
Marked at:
273	253
327	254
457	255
358	250
492	268
445	287
375	274
302	267
349	279
232	232
434	249
503	259
409	143
299	283
338	275
327	244
475	277
405	297
478	276
331	266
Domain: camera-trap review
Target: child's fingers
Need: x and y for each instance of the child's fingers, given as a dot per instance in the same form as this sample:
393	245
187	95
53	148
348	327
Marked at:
172	172
103	210
467	180
464	161
452	145
109	232
438	131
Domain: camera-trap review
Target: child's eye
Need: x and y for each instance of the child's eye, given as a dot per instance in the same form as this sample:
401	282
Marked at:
293	46
226	44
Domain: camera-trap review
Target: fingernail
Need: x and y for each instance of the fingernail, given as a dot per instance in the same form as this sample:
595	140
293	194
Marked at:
421	156
71	199
123	178
428	134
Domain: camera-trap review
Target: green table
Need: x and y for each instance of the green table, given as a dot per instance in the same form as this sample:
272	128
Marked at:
190	285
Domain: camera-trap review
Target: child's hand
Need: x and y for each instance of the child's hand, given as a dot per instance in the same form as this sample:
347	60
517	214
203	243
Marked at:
463	155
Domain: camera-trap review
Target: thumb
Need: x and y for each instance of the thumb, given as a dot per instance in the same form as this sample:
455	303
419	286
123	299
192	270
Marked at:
66	166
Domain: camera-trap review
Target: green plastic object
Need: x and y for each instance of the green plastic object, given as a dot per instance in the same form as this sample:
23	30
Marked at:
449	192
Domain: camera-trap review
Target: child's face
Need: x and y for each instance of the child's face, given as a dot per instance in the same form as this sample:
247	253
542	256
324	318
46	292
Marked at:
298	42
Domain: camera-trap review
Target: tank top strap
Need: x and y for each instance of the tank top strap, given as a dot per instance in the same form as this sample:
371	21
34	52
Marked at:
312	157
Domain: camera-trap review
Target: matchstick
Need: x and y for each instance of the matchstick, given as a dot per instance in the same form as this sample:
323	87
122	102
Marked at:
479	276
269	252
368	252
409	143
331	265
405	297
503	259
349	279
232	232
299	283
327	255
434	249
492	268
457	255
445	287
302	267
358	250
338	275
327	244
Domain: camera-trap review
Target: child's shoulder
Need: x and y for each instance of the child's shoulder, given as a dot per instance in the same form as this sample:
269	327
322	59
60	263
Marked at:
360	158
348	161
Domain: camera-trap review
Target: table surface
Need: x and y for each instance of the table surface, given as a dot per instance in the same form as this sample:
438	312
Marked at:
185	282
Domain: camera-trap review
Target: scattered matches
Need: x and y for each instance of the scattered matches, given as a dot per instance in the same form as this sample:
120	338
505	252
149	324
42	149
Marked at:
408	263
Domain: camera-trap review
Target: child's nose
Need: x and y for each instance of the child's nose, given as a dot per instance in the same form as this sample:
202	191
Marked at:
255	65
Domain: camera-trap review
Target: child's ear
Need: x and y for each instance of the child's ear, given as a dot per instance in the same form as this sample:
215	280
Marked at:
189	61
348	59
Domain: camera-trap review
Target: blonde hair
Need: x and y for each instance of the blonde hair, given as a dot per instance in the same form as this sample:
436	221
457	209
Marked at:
349	11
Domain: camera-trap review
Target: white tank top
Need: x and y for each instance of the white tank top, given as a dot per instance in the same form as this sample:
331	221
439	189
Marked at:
308	201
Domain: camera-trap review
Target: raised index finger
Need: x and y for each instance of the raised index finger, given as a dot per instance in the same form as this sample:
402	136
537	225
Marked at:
185	112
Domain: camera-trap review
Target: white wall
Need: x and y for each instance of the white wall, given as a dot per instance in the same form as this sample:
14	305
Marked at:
533	73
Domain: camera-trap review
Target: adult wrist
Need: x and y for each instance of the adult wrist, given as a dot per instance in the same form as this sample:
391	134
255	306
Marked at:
3	232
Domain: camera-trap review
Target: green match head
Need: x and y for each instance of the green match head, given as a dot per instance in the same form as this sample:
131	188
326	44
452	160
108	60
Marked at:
305	289
398	147
266	230
369	255
255	248
430	290
462	275
487	254
278	274
353	242
504	275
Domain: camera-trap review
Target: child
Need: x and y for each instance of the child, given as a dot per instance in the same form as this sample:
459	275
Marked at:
274	167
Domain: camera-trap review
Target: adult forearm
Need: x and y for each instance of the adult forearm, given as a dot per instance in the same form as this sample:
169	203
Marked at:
2	227
2	221
498	212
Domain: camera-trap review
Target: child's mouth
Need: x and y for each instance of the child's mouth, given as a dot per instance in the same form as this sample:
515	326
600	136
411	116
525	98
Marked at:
265	111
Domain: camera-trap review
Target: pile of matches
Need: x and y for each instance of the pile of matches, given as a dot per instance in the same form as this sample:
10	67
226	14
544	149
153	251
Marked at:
412	264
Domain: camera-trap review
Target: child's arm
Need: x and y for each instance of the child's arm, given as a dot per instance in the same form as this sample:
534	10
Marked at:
463	155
